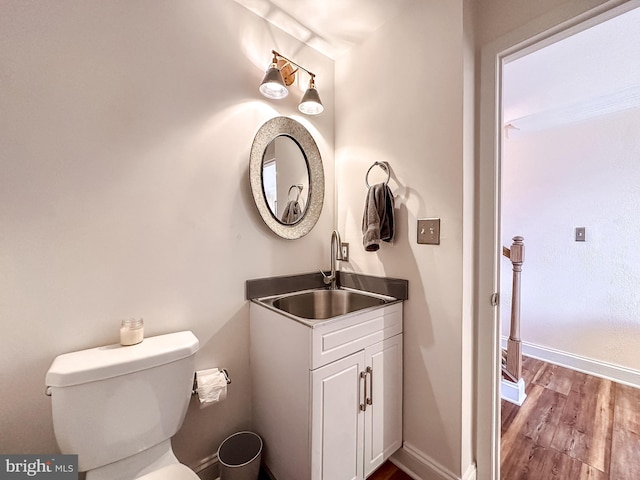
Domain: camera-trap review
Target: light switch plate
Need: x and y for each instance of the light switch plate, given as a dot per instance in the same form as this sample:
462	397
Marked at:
345	251
429	231
581	234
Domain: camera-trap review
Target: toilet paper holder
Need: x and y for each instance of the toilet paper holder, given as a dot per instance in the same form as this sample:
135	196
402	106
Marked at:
194	390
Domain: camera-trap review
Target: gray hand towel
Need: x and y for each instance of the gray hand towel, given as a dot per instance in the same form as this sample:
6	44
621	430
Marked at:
378	217
292	212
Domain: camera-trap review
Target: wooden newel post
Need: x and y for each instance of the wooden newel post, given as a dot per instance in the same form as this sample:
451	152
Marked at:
514	345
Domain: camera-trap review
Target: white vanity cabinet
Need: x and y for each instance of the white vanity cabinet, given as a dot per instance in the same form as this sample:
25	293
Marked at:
327	397
356	412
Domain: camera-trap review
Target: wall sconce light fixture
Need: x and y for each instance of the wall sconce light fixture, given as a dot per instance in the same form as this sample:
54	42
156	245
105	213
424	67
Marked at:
280	75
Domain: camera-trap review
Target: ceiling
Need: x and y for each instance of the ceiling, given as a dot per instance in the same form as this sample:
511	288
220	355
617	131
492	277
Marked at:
592	73
330	26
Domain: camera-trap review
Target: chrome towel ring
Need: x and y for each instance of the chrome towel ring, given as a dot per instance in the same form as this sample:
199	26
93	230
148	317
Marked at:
383	165
299	188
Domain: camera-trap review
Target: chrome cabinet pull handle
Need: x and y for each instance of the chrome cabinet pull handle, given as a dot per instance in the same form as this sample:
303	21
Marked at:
369	370
363	405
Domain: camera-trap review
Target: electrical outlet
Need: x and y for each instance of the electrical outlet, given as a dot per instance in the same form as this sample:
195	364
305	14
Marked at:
345	251
429	231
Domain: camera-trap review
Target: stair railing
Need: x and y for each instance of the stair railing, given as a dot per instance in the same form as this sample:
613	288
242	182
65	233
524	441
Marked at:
512	357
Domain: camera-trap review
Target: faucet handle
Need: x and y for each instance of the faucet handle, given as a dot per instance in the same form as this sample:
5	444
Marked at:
327	278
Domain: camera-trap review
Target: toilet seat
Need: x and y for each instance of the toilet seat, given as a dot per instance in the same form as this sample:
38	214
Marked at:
175	471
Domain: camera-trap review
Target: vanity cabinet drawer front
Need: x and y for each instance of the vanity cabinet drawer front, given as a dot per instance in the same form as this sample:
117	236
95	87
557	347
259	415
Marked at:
334	341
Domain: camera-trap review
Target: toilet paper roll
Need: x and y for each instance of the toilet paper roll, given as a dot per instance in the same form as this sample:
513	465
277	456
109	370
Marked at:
212	386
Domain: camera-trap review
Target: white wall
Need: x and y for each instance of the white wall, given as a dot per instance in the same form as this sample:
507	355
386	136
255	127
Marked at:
580	298
399	98
124	191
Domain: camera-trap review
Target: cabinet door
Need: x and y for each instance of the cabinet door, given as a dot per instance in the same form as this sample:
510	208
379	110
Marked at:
337	429
383	417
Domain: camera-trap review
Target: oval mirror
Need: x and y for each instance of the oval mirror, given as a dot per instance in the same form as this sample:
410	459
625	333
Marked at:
287	177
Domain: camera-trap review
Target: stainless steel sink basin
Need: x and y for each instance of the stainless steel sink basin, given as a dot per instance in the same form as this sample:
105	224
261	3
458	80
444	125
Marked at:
323	304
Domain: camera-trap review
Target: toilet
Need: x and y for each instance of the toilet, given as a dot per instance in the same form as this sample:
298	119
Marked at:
118	407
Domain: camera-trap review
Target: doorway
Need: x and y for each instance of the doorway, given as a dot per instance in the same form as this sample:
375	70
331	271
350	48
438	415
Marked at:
569	166
490	239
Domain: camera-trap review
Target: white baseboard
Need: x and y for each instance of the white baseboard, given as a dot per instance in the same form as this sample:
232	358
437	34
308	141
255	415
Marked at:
208	467
609	371
409	459
420	466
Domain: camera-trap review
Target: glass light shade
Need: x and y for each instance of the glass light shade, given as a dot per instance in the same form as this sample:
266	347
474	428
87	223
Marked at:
310	103
272	85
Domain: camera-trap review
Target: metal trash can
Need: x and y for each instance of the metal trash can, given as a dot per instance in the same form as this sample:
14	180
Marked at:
239	456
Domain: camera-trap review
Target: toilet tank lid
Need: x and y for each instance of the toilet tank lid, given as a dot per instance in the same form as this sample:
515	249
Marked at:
110	361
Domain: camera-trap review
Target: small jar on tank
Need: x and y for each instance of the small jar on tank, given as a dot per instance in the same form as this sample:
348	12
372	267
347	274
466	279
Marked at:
131	331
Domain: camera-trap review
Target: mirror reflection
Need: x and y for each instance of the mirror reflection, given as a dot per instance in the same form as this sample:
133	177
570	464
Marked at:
285	168
285	179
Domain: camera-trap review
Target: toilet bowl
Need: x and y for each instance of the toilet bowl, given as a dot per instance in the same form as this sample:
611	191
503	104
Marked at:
118	407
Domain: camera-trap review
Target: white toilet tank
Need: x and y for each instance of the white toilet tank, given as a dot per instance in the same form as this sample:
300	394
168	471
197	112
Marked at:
112	402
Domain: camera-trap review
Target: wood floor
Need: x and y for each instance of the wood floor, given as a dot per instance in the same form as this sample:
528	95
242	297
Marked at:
388	471
572	426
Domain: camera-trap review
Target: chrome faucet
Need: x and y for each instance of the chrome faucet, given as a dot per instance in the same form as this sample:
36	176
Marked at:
336	254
